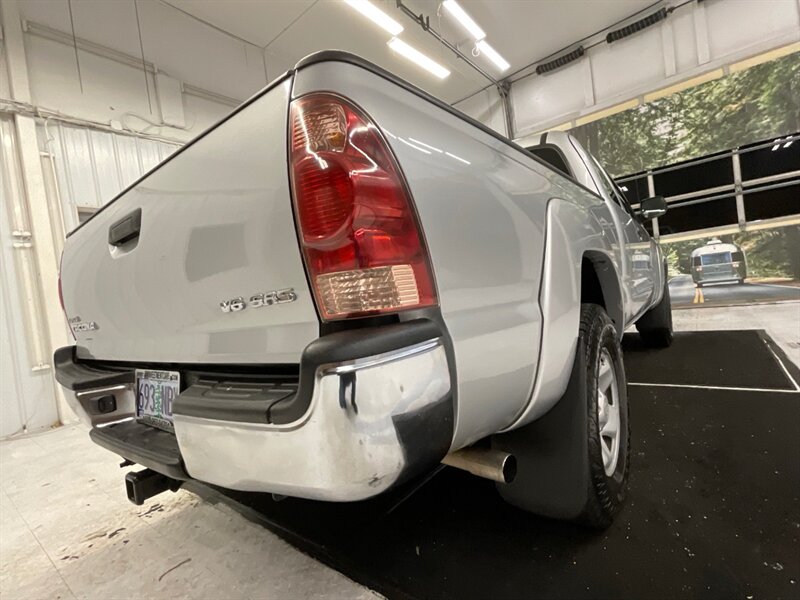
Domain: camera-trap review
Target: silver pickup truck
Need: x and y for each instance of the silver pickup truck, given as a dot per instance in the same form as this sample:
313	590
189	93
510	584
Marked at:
347	282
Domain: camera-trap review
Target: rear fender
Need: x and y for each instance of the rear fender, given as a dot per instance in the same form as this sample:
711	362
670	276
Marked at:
574	231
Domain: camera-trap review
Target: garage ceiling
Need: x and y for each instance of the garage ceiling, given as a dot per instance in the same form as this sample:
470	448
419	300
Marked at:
522	31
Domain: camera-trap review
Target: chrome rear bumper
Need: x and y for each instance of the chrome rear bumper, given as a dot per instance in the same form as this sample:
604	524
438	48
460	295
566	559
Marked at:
370	421
366	419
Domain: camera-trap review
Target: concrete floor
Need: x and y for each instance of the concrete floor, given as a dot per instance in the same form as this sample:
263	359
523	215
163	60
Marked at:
67	529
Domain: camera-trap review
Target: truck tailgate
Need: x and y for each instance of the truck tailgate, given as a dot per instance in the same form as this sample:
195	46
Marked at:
215	234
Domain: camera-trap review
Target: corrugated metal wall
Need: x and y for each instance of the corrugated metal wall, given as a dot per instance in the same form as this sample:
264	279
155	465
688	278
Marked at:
27	392
83	168
91	166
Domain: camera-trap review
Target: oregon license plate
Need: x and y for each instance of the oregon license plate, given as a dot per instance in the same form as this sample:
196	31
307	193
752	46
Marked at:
155	392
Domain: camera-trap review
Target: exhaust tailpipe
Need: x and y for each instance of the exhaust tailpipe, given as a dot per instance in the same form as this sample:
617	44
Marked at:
491	464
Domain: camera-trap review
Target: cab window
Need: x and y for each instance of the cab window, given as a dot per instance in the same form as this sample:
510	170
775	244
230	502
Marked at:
611	188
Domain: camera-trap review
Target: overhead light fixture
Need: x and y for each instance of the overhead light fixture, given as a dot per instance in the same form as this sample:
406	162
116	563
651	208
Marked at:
649	20
559	62
418	57
493	55
460	15
376	15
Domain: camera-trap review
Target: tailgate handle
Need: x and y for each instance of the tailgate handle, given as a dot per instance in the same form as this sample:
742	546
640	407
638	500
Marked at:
126	229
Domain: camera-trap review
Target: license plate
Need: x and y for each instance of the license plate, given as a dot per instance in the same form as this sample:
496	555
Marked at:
155	392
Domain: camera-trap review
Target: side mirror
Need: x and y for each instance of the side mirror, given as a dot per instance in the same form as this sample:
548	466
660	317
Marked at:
650	208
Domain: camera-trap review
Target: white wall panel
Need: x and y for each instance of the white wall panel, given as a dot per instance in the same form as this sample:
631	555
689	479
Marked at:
128	162
106	173
735	24
94	166
683	40
76	168
182	46
627	64
111	90
695	39
149	151
487	108
554	96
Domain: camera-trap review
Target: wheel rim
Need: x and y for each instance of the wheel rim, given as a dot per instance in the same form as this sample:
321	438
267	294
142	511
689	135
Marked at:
608	412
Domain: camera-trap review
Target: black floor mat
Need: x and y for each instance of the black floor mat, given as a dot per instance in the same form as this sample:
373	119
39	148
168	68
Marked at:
711	358
713	513
713	510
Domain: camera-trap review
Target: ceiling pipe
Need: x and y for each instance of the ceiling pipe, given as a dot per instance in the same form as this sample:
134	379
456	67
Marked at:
425	23
502	86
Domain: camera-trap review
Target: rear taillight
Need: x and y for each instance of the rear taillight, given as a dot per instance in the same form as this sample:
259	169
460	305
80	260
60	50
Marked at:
60	291
360	236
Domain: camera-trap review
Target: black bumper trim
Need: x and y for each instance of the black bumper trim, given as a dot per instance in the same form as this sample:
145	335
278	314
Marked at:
263	406
346	346
144	445
78	376
259	401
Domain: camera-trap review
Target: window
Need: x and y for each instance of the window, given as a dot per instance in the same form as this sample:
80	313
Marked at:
719	258
85	212
552	156
688	217
611	188
694	177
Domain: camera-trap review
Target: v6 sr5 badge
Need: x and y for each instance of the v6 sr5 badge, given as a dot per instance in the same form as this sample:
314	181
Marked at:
258	300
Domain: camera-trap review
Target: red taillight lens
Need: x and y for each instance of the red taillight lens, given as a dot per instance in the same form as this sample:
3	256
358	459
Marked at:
359	233
60	291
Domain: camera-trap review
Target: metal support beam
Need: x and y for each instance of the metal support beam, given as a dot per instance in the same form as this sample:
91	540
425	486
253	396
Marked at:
651	191
425	23
508	109
737	182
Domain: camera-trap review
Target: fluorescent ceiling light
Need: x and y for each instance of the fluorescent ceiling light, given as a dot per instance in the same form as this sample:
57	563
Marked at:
418	57
493	56
376	15
462	17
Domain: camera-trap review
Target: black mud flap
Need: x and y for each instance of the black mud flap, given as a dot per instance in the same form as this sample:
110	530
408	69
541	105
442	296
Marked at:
552	454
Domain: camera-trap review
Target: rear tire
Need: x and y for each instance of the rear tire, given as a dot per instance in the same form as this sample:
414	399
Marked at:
572	463
655	326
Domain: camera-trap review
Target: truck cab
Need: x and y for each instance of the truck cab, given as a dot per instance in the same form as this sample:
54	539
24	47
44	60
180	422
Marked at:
637	253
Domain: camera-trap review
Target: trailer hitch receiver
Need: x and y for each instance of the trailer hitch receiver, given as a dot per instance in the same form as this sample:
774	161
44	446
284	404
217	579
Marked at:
145	484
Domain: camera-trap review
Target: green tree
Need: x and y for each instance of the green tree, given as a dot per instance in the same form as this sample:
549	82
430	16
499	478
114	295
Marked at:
751	105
